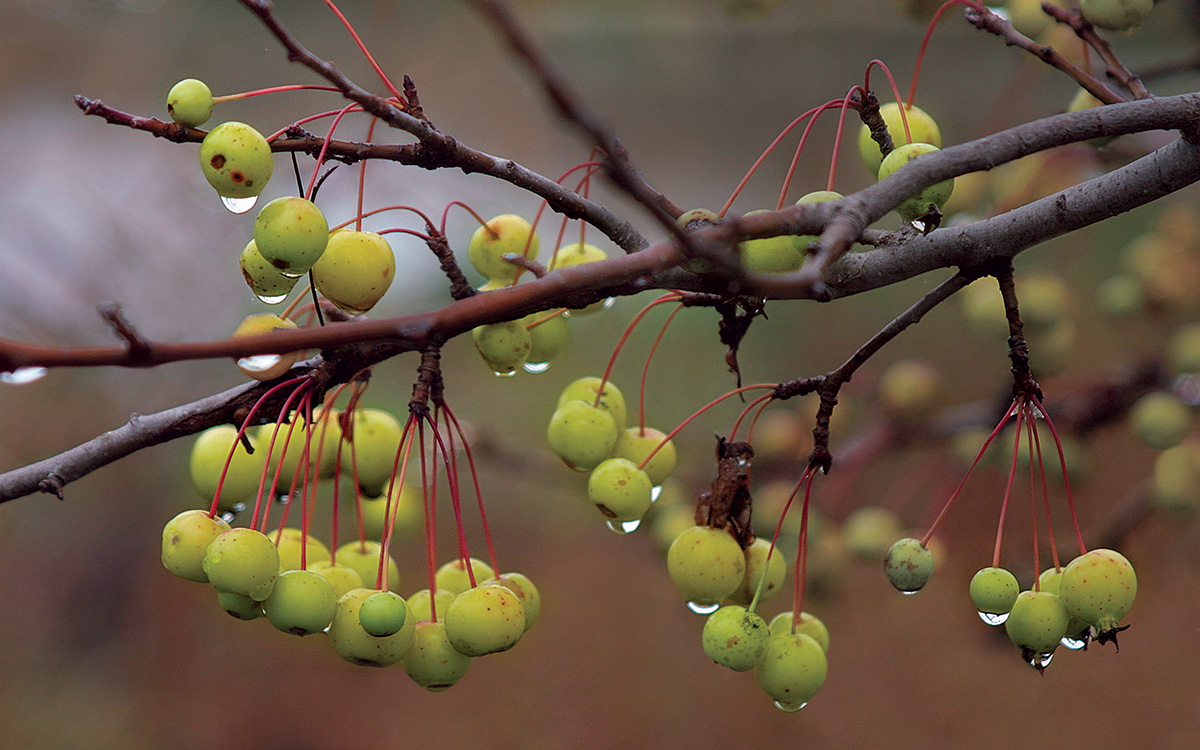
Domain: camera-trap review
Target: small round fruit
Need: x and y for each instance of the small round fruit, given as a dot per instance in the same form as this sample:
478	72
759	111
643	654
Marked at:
236	160
793	668
264	279
690	221
921	126
549	335
1116	15
930	197
503	346
619	490
706	565
519	584
421	606
1037	622
291	234
817	196
190	102
343	579
239	605
355	270
758	569
810	625
453	576
484	620
363	558
908	565
506	234
1099	587
301	603
635	443
586	388
383	613
356	645
432	662
1160	419
779	254
735	638
1175	483
209	453
242	561
581	434
376	435
285	454
408	513
574	255
265	366
870	530
185	540
994	590
290	541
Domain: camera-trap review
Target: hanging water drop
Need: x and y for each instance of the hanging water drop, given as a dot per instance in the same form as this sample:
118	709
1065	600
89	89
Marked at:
655	491
993	618
909	593
259	362
791	708
22	375
609	302
1075	644
508	374
273	299
536	367
239	205
703	609
228	516
623	527
1039	661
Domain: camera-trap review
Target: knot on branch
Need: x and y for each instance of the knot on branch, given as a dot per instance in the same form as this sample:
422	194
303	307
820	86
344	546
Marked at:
727	505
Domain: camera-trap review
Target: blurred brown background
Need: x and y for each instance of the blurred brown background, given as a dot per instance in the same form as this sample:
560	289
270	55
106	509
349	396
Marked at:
101	648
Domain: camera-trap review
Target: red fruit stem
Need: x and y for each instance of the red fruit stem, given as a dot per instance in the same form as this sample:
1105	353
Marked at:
390	508
373	211
837	137
800	582
262	481
446	213
612	360
762	402
305	401
671	435
646	370
895	92
378	71
766	152
464	553
775	536
1062	460
487	531
311	118
307	491
291	308
1041	470
957	490
787	180
912	90
1033	507
591	166
429	500
539	321
312	181
362	179
272	90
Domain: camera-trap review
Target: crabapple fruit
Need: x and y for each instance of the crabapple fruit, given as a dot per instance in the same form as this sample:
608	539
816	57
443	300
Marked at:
363	558
793	668
586	388
209	453
581	434
620	490
291	234
453	576
1099	587
264	279
931	197
301	603
383	613
190	102
236	160
908	565
342	578
264	366
355	270
484	620
922	128
503	346
810	625
1037	622
735	637
507	234
185	540
1116	15
759	569
290	542
242	561
519	584
994	591
706	565
432	662
356	645
635	443
376	435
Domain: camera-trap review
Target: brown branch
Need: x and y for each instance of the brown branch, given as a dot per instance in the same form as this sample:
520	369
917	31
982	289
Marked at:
1115	69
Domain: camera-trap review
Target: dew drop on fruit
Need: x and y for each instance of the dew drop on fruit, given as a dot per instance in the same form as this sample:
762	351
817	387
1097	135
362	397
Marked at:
655	491
790	707
274	299
1041	661
22	375
909	593
993	618
239	205
259	362
703	609
536	367
1074	644
508	374
228	516
623	527
609	302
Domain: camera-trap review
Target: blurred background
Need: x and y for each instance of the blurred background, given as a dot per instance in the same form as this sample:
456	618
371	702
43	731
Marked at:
102	648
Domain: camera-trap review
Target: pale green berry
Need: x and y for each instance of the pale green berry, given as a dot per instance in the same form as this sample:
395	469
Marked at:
326	435
265	366
484	620
994	591
1175	483
870	530
363	558
506	234
793	668
581	434
931	197
1051	580
291	233
356	645
1099	587
759	569
779	254
810	625
1037	622
503	346
619	490
586	388
432	662
343	579
519	584
239	605
290	541
549	335
420	604
690	221
909	389
453	576
285	455
236	160
264	279
190	102
817	196
1116	15
242	561
355	270
578	254
735	638
1160	419
908	565
301	603
922	127
408	513
383	613
376	434
635	443
706	565
185	541
209	453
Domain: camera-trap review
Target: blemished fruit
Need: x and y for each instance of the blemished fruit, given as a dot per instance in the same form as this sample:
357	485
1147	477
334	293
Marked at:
921	126
242	561
185	540
909	389
809	625
586	388
190	102
506	234
503	346
264	366
581	434
301	603
908	565
356	645
343	579
383	613
267	282
793	669
291	541
239	605
432	662
931	197
453	576
1116	15
355	270
706	565
1099	587
635	444
779	254
484	620
363	558
236	160
870	530
291	234
619	490
994	591
735	638
549	335
376	434
757	566
419	604
1160	419
531	598
209	453
1037	622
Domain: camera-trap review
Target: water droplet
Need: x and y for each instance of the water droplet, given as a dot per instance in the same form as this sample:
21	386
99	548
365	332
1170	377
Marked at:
1073	643
290	274
909	593
703	609
993	618
623	527
228	516
283	499
1041	661
259	362
791	708
239	205
273	299
655	491
22	375
508	374
609	302
536	367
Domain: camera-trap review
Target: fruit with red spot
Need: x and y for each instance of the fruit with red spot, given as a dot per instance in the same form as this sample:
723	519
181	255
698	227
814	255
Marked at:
236	160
